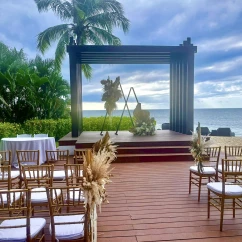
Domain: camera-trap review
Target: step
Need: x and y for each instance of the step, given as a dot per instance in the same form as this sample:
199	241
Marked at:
153	150
155	143
153	157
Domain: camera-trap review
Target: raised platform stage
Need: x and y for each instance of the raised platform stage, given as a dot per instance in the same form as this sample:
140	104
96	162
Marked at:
165	145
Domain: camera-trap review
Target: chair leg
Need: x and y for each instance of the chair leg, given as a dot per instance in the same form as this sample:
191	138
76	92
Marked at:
190	182
234	208
222	214
208	203
199	187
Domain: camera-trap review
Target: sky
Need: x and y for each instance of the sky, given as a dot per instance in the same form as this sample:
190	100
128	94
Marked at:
214	26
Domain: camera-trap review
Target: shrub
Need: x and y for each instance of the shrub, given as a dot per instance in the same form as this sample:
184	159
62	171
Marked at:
10	129
60	127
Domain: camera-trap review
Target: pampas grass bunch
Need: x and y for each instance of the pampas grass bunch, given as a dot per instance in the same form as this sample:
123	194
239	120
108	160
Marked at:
97	171
198	144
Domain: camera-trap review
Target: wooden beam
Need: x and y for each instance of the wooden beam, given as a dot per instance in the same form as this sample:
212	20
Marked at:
76	95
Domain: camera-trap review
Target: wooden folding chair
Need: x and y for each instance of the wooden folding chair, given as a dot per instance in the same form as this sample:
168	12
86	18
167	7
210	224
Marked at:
73	174
7	179
74	177
66	225
233	152
197	178
16	222
6	157
230	188
27	157
230	152
6	160
37	178
78	159
58	158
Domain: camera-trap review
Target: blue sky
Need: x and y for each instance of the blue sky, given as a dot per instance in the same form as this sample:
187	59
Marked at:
214	26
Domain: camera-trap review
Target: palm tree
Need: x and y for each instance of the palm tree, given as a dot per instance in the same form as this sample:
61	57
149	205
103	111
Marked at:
89	21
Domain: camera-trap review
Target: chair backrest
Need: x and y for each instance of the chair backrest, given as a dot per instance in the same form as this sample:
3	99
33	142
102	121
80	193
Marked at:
213	155
15	204
73	174
5	177
233	152
28	157
60	204
24	135
231	172
78	158
40	135
60	157
37	175
6	157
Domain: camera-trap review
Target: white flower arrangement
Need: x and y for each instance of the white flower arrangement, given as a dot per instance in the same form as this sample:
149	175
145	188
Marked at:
143	124
144	129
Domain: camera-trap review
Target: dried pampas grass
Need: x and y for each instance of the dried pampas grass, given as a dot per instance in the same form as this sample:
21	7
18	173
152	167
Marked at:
97	171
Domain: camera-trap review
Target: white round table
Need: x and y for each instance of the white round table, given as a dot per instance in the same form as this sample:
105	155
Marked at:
39	143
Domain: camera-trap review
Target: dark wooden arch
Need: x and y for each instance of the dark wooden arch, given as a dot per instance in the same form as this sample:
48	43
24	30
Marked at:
180	58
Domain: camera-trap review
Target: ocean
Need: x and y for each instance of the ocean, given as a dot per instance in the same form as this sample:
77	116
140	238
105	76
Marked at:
212	118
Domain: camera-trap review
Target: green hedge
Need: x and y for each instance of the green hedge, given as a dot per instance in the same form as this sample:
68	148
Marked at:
61	127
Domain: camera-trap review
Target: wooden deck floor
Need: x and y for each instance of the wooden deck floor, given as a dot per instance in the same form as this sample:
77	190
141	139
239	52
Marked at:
150	202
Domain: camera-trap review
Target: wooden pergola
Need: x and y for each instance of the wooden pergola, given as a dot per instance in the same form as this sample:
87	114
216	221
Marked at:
180	58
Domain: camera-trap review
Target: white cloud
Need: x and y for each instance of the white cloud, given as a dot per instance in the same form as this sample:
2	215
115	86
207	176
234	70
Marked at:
221	66
223	43
214	25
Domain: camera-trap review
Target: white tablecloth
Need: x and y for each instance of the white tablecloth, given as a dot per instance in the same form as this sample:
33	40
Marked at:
38	143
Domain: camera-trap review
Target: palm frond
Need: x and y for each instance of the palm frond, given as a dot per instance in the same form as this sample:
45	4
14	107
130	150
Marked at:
108	20
50	35
60	8
114	7
87	70
104	36
61	49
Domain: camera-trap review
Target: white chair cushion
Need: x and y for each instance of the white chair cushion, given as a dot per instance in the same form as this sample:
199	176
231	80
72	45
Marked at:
69	231
15	174
17	197
206	170
77	194
60	175
19	234
220	168
230	168
38	195
231	190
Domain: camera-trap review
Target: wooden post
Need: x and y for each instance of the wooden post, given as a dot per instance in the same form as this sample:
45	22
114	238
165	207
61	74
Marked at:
76	93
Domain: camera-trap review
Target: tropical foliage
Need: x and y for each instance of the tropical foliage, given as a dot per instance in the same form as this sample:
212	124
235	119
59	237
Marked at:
30	89
59	127
88	21
111	94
